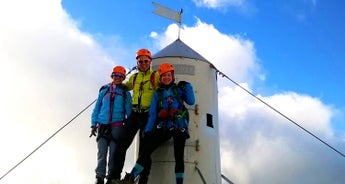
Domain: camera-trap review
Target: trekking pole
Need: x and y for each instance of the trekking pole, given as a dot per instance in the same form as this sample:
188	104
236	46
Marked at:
131	69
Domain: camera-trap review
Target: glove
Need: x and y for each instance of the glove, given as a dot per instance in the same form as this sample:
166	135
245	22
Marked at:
147	134
93	131
182	84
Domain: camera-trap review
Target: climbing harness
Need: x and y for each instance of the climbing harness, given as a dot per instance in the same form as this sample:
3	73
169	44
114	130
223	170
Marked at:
104	130
172	118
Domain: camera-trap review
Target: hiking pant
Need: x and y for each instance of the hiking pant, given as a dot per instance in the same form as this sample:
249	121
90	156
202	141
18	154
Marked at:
158	138
136	121
107	142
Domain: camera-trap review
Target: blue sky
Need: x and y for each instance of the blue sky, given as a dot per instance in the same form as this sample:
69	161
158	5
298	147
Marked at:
56	54
299	43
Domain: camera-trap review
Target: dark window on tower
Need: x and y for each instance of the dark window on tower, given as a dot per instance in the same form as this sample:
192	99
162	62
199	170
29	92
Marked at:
209	122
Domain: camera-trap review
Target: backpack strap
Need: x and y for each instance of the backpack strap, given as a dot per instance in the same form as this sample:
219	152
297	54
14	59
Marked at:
124	96
113	96
152	78
178	118
105	87
160	99
175	95
134	78
182	107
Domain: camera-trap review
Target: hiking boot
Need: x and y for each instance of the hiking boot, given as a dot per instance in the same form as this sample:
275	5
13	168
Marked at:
113	181
99	180
143	180
129	179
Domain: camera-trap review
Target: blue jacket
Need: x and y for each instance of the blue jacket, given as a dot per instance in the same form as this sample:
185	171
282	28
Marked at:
160	101
122	106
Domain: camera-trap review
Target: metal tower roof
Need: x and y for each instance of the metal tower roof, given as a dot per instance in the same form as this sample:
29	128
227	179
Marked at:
179	49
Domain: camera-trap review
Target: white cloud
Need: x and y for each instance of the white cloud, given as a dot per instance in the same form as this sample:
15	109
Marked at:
234	54
257	144
219	3
243	7
50	70
260	146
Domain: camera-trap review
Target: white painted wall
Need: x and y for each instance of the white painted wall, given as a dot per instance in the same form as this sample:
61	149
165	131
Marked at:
202	149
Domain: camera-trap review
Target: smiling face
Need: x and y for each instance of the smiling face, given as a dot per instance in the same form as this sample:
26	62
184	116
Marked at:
144	63
117	78
166	78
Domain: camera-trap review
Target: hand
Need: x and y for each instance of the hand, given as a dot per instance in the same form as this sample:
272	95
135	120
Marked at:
93	131
182	84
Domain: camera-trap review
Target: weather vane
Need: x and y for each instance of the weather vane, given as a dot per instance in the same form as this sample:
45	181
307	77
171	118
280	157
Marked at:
169	14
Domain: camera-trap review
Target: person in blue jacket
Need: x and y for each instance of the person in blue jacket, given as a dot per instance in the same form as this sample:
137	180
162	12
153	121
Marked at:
168	118
112	107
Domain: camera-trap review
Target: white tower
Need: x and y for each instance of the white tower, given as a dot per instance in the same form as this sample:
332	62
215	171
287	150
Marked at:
202	155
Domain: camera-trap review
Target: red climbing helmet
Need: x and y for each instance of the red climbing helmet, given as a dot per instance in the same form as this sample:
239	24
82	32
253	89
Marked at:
143	52
120	70
165	67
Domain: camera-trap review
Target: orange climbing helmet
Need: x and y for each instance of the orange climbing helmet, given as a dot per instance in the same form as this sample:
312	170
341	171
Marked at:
165	67
143	52
120	70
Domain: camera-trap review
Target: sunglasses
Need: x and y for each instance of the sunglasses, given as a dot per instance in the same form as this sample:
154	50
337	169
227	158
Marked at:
143	61
118	75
